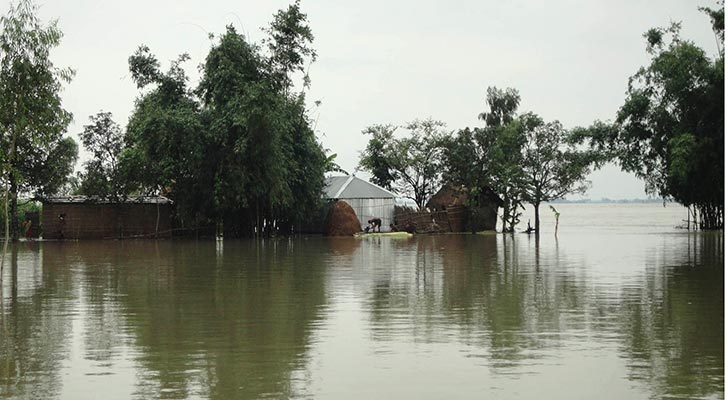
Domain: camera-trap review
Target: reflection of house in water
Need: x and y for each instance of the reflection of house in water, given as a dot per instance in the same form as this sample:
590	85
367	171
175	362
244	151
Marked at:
80	217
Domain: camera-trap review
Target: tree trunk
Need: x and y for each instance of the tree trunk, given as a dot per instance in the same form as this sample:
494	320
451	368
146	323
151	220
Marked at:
14	228
5	246
11	154
158	216
536	218
258	223
505	217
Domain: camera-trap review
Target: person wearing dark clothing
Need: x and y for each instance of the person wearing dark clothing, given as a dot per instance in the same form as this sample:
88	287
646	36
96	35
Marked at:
61	226
375	222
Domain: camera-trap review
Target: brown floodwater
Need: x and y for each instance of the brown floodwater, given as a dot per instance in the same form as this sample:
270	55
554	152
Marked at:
621	305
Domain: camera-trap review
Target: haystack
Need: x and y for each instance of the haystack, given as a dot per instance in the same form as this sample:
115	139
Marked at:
341	220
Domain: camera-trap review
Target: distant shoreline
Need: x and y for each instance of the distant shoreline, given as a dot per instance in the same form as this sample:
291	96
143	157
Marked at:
611	201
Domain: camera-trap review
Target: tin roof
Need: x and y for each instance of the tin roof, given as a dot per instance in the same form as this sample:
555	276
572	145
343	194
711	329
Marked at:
352	187
98	200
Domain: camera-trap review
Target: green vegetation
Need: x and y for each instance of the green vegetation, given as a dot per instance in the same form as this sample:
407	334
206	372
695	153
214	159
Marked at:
491	156
38	159
239	148
103	138
552	167
521	158
410	165
669	131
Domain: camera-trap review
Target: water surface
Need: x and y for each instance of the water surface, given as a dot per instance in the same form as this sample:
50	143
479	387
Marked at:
618	305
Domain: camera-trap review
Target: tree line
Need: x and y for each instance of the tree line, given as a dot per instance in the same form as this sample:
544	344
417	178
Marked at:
239	146
521	157
668	132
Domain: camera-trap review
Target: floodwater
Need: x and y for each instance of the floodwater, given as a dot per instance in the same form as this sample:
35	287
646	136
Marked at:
621	305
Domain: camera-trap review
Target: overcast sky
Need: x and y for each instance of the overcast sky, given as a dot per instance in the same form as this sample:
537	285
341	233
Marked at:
391	62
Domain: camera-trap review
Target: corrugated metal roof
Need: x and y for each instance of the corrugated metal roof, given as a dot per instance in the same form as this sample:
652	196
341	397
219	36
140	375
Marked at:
96	200
352	187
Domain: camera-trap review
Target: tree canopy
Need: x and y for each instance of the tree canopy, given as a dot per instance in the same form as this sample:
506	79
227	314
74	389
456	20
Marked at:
552	167
104	139
490	156
408	165
239	148
39	158
669	131
520	157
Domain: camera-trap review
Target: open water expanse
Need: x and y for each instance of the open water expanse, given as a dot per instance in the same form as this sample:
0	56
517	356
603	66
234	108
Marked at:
620	306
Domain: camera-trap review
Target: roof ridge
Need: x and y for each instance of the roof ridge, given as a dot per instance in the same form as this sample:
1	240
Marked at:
344	186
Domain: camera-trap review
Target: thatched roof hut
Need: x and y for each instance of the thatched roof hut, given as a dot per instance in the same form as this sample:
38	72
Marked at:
452	195
464	213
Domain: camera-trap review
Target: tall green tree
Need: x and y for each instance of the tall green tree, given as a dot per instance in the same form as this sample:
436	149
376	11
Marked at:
502	106
491	156
410	165
273	166
669	131
508	174
290	45
552	167
32	120
239	148
165	147
505	158
378	157
103	138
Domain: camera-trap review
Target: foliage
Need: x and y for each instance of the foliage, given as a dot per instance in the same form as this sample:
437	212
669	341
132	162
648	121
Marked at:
411	165
552	167
289	44
502	106
669	132
32	119
490	156
104	139
378	155
237	148
24	207
164	137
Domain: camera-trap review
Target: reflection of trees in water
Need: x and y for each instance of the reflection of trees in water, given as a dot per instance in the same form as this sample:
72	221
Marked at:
509	296
230	327
35	327
103	268
198	319
488	290
514	301
672	320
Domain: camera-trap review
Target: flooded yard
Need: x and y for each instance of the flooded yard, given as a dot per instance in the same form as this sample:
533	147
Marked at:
619	305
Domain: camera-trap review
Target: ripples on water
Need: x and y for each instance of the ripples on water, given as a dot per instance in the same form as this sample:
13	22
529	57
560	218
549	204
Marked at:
620	305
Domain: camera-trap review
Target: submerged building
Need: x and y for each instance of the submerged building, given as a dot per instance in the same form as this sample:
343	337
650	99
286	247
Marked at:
81	217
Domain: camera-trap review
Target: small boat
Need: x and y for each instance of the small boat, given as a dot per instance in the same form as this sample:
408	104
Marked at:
384	234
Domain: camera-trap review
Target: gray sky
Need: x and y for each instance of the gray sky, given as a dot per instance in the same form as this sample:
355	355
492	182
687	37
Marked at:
391	62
